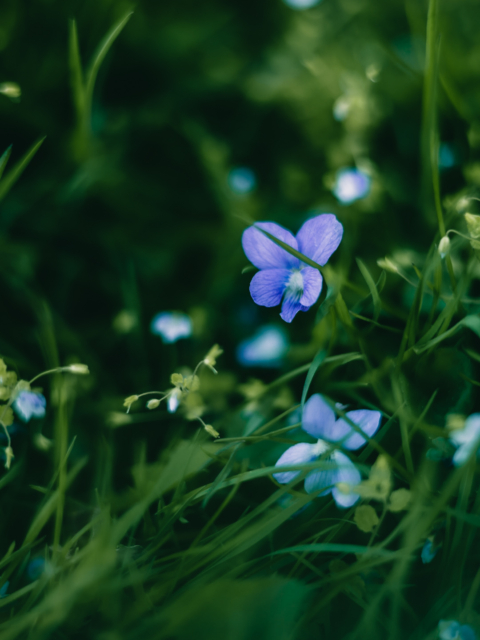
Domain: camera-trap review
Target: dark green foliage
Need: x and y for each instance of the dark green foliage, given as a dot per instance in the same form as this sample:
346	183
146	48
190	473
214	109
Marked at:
142	524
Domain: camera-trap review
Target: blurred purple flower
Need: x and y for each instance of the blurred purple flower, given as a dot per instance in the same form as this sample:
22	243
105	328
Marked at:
281	274
29	404
467	439
319	421
351	185
266	348
171	326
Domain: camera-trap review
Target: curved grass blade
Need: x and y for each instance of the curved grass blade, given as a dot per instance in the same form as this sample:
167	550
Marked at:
372	287
4	159
99	57
317	362
472	322
76	73
290	249
14	174
325	306
331	547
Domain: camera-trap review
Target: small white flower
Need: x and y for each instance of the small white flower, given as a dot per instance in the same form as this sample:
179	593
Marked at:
467	439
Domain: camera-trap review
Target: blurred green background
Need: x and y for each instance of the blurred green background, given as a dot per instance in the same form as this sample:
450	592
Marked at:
142	218
100	234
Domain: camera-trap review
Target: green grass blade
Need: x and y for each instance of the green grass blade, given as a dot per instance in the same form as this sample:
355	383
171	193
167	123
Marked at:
4	159
76	73
290	249
99	56
372	287
14	174
471	322
317	361
327	547
325	306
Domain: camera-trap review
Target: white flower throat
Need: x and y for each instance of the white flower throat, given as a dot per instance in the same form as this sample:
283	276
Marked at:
320	447
295	285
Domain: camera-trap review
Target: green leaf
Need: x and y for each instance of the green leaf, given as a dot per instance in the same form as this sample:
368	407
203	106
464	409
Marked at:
76	73
99	56
472	322
473	354
290	249
14	174
329	301
335	548
381	281
372	287
4	159
248	269
317	361
342	311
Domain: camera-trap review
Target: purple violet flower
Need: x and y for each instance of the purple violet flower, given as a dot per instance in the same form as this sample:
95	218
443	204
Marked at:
29	404
319	420
282	275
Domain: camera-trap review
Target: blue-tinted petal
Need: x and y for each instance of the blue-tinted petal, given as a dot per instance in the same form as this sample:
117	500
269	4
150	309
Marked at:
463	453
290	307
35	568
470	432
298	454
318	418
171	326
321	479
266	348
319	237
29	404
367	421
428	551
301	4
263	252
344	500
347	475
173	400
4	589
241	180
448	630
467	633
351	185
267	287
312	286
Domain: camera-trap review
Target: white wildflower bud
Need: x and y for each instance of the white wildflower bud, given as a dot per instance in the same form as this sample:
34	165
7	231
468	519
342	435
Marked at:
210	359
473	224
11	90
8	457
79	369
213	432
129	401
444	246
153	404
387	264
41	442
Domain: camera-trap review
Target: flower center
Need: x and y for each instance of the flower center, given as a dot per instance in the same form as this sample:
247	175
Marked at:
295	285
320	447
